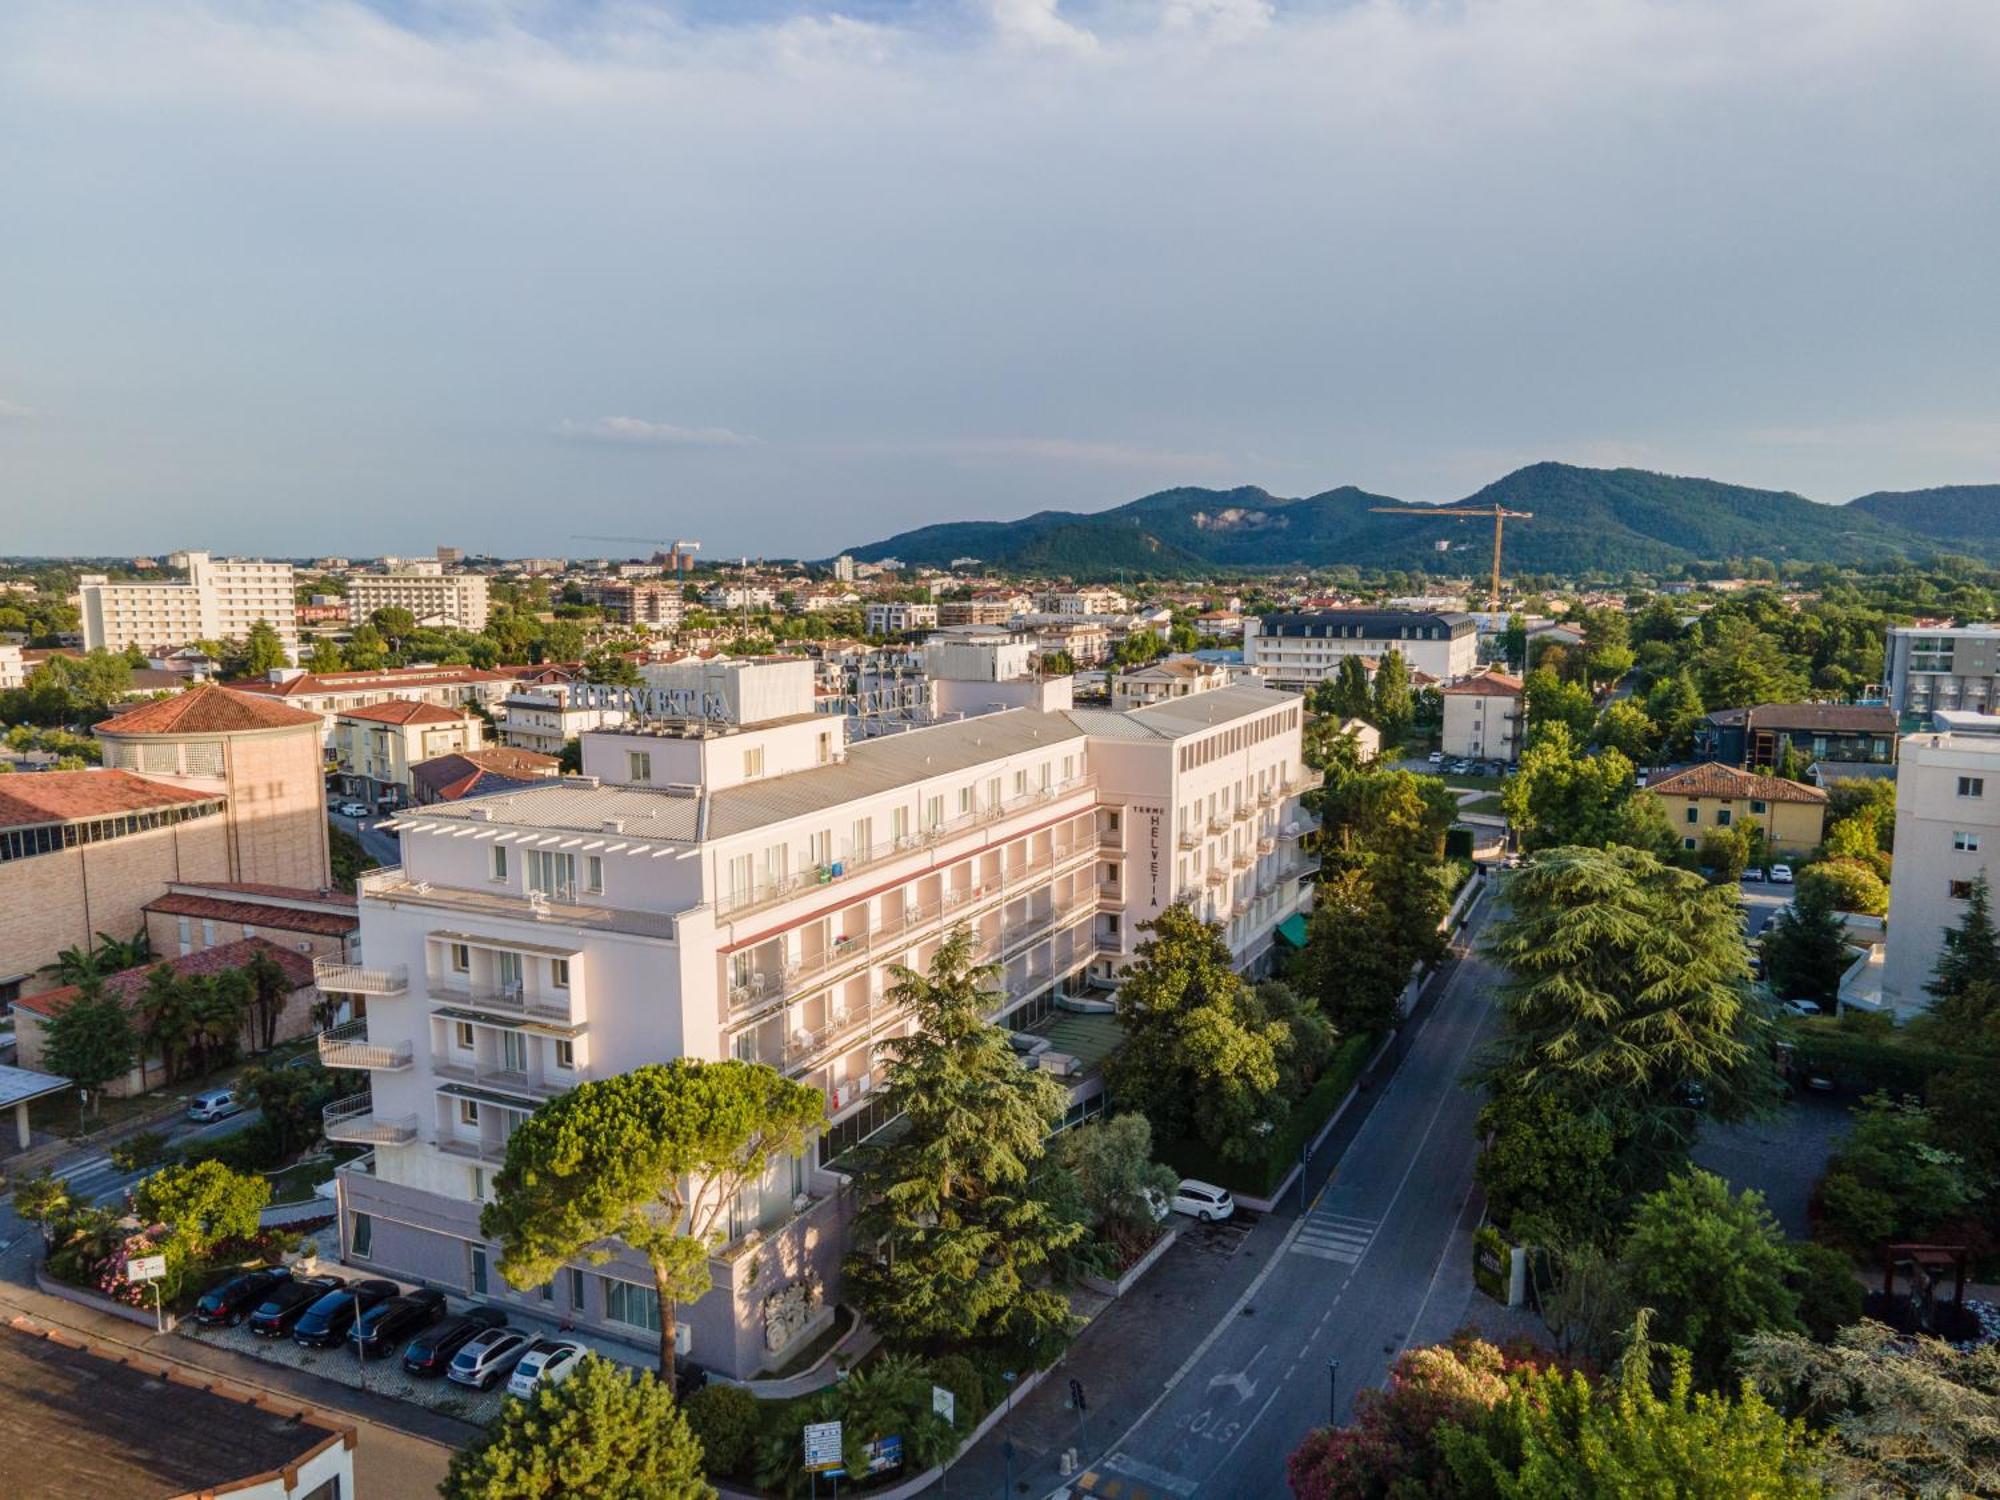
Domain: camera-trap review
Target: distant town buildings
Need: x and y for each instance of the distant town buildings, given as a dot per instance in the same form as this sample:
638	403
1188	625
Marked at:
435	597
376	748
898	617
651	605
219	601
1927	668
1170	677
1299	649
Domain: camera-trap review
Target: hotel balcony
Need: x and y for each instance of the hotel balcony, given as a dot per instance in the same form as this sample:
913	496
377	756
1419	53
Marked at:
1243	859
351	979
355	1121
503	1080
348	1047
769	892
390	886
510	1000
896	935
1302	781
1219	823
1190	838
492	1153
1244	812
1216	875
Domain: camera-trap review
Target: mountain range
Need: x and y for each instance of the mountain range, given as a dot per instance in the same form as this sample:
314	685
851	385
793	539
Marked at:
1584	520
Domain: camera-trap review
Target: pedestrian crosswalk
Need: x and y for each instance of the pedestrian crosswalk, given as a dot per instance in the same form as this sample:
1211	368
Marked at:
1332	1236
97	1180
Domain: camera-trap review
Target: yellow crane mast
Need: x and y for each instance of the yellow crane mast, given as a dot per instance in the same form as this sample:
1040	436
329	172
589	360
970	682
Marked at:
1500	514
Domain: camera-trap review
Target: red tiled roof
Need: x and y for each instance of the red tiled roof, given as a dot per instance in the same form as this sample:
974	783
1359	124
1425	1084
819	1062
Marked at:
1488	685
31	797
127	986
253	914
450	777
207	710
1715	780
387	680
403	711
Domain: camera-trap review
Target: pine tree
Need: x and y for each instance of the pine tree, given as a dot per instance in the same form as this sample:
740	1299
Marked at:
954	1239
1970	960
1805	947
1394	706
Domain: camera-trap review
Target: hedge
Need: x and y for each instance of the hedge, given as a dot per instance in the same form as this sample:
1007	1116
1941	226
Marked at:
1863	1063
1259	1178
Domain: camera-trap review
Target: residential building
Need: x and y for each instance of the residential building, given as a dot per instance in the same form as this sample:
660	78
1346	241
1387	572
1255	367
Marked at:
546	718
220	600
1482	718
898	617
745	596
1085	642
843	567
738	882
1832	733
969	672
263	757
1947	836
433	596
91	1421
1930	667
296	1016
656	606
192	916
1299	649
82	852
459	774
825	601
13	670
981	609
329	694
1170	677
377	747
1792	815
1083	602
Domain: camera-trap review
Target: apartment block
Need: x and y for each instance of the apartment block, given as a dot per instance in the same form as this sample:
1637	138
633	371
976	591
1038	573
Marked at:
1947	835
13	668
219	601
1299	649
657	606
1482	718
738	881
435	597
377	748
899	617
1931	668
544	719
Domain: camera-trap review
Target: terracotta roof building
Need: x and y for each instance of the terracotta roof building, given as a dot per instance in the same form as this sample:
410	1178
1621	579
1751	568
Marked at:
1482	717
264	757
377	746
1791	815
476	773
192	916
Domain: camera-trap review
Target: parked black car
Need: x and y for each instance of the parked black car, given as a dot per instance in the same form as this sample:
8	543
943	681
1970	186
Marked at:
386	1324
430	1352
287	1302
230	1302
326	1322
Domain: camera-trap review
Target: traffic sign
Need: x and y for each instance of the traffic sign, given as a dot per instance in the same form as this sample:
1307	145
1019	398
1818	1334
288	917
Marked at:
822	1447
945	1404
145	1268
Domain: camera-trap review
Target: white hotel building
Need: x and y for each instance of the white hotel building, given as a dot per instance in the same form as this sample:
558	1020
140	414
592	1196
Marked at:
738	885
221	599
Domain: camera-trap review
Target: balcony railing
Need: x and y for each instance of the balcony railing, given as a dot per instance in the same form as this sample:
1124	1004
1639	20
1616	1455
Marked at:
352	979
1110	838
1216	875
348	1047
502	1080
1302	781
390	884
766	892
1243	859
503	999
493	1153
1219	823
1244	812
354	1120
1190	838
804	975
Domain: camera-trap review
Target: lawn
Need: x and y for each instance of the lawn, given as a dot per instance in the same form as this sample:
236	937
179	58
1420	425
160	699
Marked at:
1490	803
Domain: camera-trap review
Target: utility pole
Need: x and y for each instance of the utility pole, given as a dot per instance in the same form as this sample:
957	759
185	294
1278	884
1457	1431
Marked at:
1333	1393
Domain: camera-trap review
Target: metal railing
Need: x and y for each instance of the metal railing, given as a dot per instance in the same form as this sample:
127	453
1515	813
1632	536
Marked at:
1190	838
766	892
891	937
390	884
508	1000
493	1153
330	976
502	1080
348	1047
1219	823
354	1120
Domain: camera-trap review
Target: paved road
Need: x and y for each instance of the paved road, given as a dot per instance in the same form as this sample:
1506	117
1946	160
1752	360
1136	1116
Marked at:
381	847
1374	1266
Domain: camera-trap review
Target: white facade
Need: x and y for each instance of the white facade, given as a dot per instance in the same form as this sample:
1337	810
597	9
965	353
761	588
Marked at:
740	596
1302	648
434	596
1947	834
544	719
1482	718
715	888
898	617
220	600
1159	681
13	671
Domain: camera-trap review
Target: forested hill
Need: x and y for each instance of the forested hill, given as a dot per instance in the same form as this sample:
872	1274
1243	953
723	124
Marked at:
1584	520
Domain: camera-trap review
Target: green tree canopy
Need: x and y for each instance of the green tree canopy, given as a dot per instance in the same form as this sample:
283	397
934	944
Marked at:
1393	708
203	1203
953	1237
90	1041
606	1433
1345	695
652	1159
1805	946
1560	796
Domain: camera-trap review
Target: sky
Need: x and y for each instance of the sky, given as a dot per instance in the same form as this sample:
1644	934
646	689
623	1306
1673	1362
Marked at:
306	276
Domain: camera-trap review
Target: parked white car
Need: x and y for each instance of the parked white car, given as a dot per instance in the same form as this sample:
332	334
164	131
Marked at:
1781	874
1203	1200
547	1362
1753	876
1803	1007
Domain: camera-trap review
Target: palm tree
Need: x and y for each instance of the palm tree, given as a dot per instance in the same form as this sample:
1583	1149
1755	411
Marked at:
166	1018
221	1002
73	965
115	955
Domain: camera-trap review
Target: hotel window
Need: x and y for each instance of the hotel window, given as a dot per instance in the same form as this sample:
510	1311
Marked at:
552	874
461	958
559	973
934	812
964	800
468	1111
742	874
819	848
753	763
1693	813
1964	842
899	824
861	838
565	1054
478	1270
639	764
461	1035
634	1306
1020	783
1756	805
1972	786
185	935
576	1289
1961	890
593	874
499	861
363	1236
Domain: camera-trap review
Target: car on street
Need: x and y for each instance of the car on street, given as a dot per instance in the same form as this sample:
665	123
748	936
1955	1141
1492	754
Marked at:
489	1356
228	1303
325	1323
1436	757
381	1327
353	809
546	1362
214	1104
1203	1200
430	1352
1803	1007
1753	876
287	1302
1781	874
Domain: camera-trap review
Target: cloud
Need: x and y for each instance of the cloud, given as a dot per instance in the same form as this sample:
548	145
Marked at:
13	411
639	432
1039	23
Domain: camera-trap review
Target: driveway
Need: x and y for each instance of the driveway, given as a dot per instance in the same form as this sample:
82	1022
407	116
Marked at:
1782	1157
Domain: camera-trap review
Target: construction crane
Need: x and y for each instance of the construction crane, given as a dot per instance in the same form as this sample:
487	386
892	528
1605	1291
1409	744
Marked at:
1500	514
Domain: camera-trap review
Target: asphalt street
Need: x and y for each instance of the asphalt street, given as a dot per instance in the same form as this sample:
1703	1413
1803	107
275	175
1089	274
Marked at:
381	847
1368	1270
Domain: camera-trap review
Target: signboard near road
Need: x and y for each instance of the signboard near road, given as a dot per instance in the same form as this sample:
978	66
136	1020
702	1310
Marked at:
945	1404
822	1447
145	1268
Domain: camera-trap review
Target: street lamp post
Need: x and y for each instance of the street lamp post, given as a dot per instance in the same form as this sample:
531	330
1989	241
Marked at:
1333	1393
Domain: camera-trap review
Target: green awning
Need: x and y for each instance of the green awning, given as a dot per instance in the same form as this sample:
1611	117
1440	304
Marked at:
1293	930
